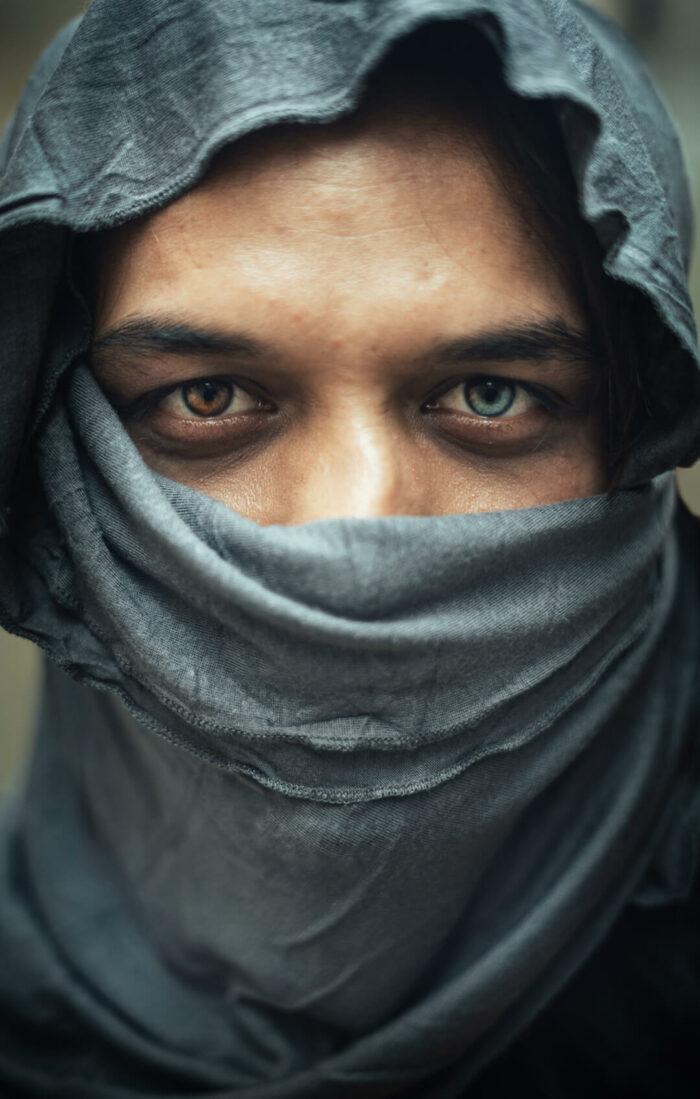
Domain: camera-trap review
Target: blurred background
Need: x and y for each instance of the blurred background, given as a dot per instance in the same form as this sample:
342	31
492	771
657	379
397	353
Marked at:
667	32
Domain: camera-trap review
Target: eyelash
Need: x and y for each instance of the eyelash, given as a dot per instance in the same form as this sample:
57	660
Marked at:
546	399
147	403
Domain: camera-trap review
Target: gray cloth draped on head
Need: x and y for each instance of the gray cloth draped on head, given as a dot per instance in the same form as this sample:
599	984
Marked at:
332	809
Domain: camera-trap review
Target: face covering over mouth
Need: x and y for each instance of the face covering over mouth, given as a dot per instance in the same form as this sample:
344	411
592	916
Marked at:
333	809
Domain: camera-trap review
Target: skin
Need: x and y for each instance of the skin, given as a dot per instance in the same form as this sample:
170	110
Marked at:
338	277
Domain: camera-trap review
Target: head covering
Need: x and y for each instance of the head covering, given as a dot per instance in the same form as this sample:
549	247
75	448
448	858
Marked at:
331	809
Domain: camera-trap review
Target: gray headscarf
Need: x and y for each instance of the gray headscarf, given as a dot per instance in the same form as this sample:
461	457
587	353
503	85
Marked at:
332	809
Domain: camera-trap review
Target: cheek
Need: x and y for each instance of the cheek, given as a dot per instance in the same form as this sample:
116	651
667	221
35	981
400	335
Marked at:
549	476
574	467
320	474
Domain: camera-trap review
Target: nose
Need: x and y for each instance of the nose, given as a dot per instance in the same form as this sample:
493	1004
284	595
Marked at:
356	470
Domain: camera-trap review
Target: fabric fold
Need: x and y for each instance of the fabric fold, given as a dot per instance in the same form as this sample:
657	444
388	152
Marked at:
333	809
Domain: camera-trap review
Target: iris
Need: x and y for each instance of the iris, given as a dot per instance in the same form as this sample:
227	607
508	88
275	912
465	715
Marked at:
489	397
208	397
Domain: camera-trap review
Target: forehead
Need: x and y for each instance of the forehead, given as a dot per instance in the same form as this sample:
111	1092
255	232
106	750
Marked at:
404	151
395	199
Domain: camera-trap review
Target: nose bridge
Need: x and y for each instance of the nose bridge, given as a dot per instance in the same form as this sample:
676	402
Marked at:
355	471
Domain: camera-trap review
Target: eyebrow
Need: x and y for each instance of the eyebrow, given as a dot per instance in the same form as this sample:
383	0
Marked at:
145	336
538	341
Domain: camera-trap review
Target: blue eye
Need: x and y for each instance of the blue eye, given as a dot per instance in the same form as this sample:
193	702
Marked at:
490	397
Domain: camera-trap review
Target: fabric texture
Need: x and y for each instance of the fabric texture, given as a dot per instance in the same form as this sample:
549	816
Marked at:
335	809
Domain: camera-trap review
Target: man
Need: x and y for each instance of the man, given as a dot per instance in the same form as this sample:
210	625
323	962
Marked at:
374	804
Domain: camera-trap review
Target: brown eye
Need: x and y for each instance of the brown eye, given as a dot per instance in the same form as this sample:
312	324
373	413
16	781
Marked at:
208	397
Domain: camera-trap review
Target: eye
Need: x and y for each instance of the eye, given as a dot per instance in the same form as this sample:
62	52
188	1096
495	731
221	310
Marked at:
490	397
208	398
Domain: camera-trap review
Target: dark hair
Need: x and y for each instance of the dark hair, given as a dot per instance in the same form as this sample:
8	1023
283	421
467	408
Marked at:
453	65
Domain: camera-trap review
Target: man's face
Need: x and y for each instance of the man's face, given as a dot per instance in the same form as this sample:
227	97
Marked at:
351	320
